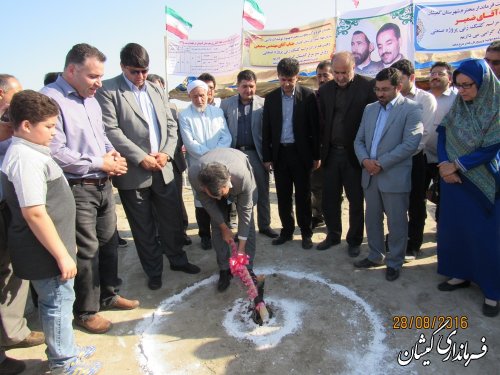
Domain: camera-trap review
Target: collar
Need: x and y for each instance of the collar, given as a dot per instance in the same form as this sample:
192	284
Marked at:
133	87
40	148
239	101
288	96
66	88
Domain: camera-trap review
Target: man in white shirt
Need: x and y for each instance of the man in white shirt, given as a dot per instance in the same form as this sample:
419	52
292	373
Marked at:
417	211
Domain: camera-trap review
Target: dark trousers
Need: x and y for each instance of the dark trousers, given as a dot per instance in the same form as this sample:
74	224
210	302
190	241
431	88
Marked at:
417	210
178	183
339	174
139	205
290	172
317	192
432	174
97	242
203	221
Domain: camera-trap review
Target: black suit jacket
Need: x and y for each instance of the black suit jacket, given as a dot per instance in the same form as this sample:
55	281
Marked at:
360	93
305	126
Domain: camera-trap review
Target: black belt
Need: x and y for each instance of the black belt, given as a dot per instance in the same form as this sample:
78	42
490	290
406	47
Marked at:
288	144
338	147
246	148
88	181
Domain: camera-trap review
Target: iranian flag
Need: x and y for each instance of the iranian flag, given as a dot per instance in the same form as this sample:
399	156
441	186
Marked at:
176	24
253	14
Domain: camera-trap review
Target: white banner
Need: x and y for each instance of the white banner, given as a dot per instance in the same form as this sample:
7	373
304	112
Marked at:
192	57
452	27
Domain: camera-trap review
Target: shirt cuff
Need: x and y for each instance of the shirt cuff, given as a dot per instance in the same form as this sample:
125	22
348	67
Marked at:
97	163
459	165
242	238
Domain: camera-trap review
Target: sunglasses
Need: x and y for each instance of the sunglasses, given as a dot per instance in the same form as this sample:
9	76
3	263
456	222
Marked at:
135	72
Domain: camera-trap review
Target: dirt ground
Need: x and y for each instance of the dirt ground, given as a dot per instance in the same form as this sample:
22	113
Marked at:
330	318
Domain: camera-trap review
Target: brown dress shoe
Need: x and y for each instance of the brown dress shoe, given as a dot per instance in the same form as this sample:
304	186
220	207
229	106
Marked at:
93	323
35	338
11	366
121	303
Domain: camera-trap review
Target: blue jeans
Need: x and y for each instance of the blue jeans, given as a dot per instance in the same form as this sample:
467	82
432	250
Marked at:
55	307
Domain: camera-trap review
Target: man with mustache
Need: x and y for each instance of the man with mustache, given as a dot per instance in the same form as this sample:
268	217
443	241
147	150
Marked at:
389	44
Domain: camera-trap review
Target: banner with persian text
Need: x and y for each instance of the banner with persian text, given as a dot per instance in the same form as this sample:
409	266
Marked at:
309	44
220	57
453	27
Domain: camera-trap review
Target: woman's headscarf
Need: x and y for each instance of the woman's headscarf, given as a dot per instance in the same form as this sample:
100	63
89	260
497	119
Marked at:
471	125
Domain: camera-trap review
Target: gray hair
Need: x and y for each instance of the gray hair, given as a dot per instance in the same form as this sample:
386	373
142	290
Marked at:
214	176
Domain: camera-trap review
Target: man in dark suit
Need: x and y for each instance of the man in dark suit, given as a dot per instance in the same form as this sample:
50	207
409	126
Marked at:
243	113
342	102
139	124
224	176
388	136
290	147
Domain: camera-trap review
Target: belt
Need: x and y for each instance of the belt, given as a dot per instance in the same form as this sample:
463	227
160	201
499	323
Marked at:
288	144
338	147
246	148
88	181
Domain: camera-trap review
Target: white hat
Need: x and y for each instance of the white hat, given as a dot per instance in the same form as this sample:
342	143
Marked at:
196	83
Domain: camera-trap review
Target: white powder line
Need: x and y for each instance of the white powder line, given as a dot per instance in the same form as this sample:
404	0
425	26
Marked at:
150	326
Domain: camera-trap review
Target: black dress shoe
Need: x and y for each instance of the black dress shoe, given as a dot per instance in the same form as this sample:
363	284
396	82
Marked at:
365	263
224	280
447	287
187	240
327	243
307	243
206	243
269	233
280	240
154	283
491	311
391	274
353	251
187	268
11	366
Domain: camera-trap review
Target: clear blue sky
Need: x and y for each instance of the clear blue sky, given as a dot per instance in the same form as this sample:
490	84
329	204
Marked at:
36	34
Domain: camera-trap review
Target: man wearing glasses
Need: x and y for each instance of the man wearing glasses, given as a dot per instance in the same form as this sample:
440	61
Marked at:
140	125
388	136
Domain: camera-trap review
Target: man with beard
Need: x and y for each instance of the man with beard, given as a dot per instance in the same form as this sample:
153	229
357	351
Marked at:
389	44
361	48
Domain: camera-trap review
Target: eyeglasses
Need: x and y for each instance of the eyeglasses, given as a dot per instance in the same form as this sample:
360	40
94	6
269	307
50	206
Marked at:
439	74
135	72
464	86
384	89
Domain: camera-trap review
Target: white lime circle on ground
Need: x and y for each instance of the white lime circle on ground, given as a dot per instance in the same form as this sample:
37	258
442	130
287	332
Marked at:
152	351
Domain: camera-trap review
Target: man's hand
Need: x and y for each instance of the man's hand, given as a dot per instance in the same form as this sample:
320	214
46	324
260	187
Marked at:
161	158
372	166
227	234
316	164
149	163
114	164
67	266
5	130
268	166
242	246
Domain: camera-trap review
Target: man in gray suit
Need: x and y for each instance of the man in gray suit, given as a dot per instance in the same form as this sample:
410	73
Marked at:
243	114
139	124
388	136
223	176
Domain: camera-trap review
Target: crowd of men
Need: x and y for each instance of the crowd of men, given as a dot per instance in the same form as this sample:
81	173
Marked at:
372	140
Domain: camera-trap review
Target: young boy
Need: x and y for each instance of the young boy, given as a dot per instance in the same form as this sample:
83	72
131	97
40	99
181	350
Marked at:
41	236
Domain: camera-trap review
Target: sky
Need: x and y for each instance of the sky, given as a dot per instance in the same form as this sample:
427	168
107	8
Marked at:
36	35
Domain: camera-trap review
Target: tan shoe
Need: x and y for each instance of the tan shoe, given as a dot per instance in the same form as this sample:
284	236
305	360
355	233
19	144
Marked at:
35	338
94	323
121	303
